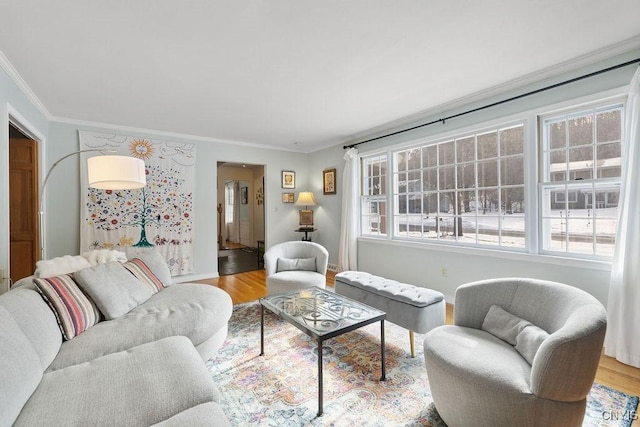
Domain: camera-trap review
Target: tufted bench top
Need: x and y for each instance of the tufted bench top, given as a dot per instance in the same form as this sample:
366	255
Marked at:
392	289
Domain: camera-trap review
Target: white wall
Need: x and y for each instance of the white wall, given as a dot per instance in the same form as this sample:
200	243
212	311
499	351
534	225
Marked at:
327	213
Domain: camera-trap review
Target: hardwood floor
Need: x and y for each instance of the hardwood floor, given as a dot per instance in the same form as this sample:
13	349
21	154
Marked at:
245	287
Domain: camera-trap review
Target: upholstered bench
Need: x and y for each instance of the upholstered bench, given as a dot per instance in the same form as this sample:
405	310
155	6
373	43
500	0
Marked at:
414	308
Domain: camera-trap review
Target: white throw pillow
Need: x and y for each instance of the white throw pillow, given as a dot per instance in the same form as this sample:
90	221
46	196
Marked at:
502	324
293	264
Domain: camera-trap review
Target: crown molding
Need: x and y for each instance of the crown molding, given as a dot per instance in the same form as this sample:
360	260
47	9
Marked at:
23	86
591	58
99	126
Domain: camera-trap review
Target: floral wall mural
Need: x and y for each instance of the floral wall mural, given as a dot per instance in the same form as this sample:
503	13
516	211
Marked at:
158	216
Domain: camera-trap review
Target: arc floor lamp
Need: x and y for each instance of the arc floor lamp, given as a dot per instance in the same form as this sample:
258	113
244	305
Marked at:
106	172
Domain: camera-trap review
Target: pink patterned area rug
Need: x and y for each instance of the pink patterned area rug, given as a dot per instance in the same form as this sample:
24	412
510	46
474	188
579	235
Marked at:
280	388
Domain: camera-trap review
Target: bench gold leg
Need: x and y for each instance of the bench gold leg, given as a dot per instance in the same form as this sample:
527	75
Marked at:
413	350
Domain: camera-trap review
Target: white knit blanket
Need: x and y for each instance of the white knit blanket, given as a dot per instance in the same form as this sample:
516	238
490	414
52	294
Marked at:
70	263
101	256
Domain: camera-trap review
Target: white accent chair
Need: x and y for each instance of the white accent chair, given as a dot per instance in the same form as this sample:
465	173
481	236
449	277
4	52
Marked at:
530	362
295	265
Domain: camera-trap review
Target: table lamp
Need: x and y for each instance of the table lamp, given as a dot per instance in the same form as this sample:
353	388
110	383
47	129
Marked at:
306	199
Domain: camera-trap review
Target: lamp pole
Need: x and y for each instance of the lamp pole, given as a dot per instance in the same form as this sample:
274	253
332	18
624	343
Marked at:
44	184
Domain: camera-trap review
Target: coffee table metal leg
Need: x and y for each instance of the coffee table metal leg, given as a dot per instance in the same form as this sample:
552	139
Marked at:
261	330
319	378
384	370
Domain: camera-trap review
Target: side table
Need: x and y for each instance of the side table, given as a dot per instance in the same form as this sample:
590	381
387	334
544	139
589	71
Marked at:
306	231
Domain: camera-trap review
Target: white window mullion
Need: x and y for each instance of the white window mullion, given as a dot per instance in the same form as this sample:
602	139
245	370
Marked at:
533	194
391	208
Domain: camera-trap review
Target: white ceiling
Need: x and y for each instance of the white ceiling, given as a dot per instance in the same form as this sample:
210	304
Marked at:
292	74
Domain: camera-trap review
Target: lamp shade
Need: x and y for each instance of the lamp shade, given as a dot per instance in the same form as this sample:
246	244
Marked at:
305	198
116	172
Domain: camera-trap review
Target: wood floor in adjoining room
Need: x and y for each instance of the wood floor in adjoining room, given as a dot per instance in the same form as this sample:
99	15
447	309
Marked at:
245	287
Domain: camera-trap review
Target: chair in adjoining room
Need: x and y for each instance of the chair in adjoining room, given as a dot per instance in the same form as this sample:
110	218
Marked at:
295	265
520	352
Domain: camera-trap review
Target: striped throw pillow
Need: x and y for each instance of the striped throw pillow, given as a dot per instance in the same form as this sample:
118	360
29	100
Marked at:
141	270
74	311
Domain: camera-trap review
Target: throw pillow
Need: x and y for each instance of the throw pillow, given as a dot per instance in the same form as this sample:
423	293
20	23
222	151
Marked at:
74	312
502	324
289	264
157	265
114	290
529	341
141	270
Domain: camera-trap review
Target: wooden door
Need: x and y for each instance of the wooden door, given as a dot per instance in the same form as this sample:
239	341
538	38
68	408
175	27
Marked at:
23	207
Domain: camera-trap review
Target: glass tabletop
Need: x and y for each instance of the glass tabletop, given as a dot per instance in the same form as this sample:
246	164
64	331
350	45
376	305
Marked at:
321	313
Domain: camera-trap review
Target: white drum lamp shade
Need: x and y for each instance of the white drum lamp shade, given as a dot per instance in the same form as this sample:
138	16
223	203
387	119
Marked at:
116	172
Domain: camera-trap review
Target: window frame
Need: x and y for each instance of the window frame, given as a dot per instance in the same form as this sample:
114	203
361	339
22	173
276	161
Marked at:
572	184
498	158
533	170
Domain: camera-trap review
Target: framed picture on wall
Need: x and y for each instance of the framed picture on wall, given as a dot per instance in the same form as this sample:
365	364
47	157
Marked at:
288	179
329	181
306	217
287	197
244	195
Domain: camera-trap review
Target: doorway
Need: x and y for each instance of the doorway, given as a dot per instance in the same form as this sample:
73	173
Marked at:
241	219
23	204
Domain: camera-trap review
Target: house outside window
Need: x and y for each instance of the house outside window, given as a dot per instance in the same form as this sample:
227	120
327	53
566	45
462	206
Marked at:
580	184
468	189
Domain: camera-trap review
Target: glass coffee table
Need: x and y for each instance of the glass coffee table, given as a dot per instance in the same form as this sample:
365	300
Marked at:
322	315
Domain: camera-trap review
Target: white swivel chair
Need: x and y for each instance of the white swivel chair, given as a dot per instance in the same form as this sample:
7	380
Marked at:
521	352
295	265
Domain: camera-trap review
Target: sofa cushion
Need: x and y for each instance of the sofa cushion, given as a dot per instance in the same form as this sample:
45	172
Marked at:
20	368
141	270
474	356
142	386
296	264
74	312
204	415
36	320
113	288
193	310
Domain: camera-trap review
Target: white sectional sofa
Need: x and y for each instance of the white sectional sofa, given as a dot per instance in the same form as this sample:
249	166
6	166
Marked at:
143	367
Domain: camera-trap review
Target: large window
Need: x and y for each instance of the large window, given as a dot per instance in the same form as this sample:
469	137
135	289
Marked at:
581	180
472	189
469	189
373	202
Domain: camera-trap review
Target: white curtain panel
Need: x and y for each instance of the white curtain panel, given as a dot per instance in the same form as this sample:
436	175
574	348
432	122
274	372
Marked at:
623	309
348	249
